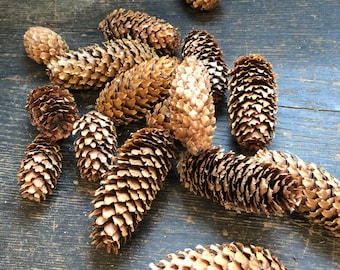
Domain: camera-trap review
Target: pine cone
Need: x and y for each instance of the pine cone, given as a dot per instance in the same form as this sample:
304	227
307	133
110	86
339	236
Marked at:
42	44
191	106
53	111
320	189
93	66
252	103
40	169
133	93
129	188
239	182
95	145
225	256
203	4
160	116
156	32
204	46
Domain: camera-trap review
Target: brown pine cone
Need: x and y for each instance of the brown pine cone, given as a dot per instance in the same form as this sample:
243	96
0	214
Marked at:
160	116
204	46
252	103
206	5
95	145
42	44
157	33
129	188
225	256
93	66
53	111
40	169
192	109
133	93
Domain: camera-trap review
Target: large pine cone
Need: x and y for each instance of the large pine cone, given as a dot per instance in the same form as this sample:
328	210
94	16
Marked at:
53	111
40	169
42	44
225	256
135	92
93	66
129	188
192	108
204	46
95	145
156	32
252	103
203	4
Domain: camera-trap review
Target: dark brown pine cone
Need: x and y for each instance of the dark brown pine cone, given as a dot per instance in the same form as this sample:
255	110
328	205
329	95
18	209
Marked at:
40	169
53	111
252	102
95	145
203	4
204	46
129	188
156	32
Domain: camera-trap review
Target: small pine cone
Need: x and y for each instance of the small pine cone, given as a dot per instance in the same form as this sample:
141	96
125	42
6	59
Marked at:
129	188
42	44
93	66
206	5
157	33
95	145
53	111
160	116
135	92
192	109
40	169
204	46
252	103
224	256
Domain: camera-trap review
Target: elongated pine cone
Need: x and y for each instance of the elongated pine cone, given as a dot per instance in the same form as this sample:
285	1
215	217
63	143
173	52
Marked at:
321	190
40	169
156	32
221	256
239	182
53	111
129	188
160	116
43	44
203	4
192	108
204	46
93	66
133	93
252	103
95	145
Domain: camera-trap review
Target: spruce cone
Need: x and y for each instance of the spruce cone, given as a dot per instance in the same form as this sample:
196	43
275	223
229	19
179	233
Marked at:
156	32
204	46
252	103
133	93
160	116
321	190
40	169
203	4
93	66
95	145
53	111
239	182
42	44
225	256
191	106
129	188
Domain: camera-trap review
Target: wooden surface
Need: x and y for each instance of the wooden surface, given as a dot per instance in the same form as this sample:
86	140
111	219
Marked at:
301	40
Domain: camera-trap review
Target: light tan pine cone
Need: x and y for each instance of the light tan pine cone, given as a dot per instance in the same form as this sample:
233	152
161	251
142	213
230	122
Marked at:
133	93
43	44
156	32
93	66
160	116
53	111
95	145
129	188
40	169
192	109
252	102
320	189
239	182
206	5
204	46
221	256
